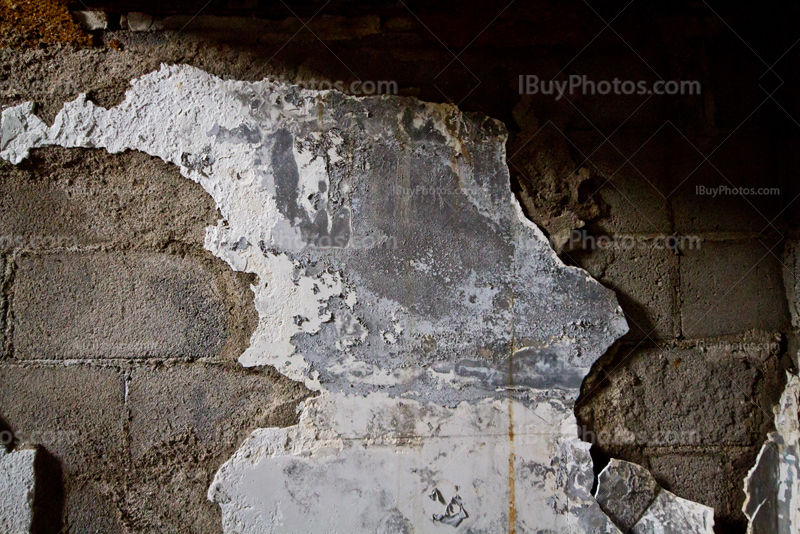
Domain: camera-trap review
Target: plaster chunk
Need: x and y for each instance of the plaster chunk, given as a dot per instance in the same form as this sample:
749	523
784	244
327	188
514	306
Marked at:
669	514
632	498
625	491
398	277
16	490
772	487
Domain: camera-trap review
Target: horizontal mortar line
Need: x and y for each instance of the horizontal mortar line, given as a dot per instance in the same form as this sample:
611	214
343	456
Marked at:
734	236
658	448
712	447
109	361
708	236
649	130
517	435
103	248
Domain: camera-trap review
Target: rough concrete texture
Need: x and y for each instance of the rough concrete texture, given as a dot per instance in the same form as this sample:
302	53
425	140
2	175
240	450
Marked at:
549	181
96	199
733	371
214	401
684	471
18	486
746	160
96	204
184	421
791	281
642	406
79	306
633	198
82	427
313	218
753	281
129	442
3	306
773	485
643	274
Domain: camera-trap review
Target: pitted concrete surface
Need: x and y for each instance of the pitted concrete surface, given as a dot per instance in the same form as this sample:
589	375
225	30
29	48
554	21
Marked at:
398	276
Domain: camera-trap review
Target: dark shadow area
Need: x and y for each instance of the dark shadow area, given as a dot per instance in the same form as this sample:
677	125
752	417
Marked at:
48	502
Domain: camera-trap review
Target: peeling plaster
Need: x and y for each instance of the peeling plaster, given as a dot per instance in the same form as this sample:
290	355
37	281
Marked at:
772	486
397	276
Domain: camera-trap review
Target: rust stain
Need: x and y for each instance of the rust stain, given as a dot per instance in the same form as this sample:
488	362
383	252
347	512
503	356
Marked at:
512	510
34	22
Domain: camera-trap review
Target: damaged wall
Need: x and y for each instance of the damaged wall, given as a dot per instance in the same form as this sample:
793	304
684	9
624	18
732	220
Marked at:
104	359
672	339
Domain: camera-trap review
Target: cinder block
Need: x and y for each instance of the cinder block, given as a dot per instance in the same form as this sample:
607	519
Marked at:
732	286
738	189
650	397
90	507
104	305
185	421
713	479
644	275
634	192
75	412
634	206
66	197
219	404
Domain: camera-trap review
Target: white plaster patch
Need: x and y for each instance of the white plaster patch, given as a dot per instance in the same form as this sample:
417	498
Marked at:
410	452
16	490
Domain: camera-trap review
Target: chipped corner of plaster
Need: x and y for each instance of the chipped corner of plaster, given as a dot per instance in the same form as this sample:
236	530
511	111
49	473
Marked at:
772	486
407	287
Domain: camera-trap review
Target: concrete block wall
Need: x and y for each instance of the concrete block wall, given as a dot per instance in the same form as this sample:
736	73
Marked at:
121	335
689	391
138	413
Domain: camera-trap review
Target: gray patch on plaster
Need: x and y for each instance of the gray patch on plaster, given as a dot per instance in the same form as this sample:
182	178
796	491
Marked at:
16	490
454	513
411	314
